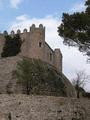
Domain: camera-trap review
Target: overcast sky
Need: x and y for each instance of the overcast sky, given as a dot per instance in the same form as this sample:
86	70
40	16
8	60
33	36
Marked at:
20	14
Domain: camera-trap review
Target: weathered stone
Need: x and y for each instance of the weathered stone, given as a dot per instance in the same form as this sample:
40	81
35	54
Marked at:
23	107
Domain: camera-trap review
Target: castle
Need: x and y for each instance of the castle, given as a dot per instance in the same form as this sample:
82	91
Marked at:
37	107
34	46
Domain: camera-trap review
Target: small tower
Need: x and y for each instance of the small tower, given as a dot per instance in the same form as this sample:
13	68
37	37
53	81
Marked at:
25	37
58	59
37	41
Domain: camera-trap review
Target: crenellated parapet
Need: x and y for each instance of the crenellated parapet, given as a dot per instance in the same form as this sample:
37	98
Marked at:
5	33
33	27
18	31
25	30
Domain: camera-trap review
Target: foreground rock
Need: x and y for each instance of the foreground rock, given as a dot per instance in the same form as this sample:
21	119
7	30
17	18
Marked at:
23	107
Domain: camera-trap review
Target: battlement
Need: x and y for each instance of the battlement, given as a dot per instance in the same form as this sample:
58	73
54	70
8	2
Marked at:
32	28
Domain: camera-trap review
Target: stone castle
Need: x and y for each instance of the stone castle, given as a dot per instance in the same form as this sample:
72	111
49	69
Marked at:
24	107
34	46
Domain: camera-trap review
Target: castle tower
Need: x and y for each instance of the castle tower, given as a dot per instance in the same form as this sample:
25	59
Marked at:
58	59
25	37
37	41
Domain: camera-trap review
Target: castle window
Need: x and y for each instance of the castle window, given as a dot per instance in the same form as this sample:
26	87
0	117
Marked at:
50	56
40	44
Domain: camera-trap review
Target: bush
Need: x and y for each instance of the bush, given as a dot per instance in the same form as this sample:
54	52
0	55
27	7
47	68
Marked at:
38	77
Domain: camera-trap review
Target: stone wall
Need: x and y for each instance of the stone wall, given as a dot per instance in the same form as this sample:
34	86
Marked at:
22	107
8	65
49	54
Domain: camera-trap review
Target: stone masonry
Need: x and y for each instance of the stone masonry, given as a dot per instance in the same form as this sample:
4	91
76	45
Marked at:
23	107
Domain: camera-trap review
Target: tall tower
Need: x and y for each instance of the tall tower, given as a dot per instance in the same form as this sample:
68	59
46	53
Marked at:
25	37
37	41
58	59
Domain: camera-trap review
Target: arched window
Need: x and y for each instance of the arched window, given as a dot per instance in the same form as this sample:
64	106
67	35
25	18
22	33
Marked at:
50	56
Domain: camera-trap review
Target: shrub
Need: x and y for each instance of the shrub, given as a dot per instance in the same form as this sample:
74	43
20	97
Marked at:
12	46
38	77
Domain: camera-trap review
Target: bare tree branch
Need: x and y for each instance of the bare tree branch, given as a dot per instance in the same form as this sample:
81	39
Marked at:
80	80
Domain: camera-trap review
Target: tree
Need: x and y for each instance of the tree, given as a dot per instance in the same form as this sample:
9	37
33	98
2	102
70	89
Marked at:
12	45
75	29
38	77
79	82
25	73
30	73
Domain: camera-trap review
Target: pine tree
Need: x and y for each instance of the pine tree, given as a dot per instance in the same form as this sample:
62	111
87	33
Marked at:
75	29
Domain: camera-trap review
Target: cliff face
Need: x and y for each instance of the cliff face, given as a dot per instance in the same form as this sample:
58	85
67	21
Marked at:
22	107
50	86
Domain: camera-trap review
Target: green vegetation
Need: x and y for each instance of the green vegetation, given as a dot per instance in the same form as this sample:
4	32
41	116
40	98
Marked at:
12	46
75	29
38	77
